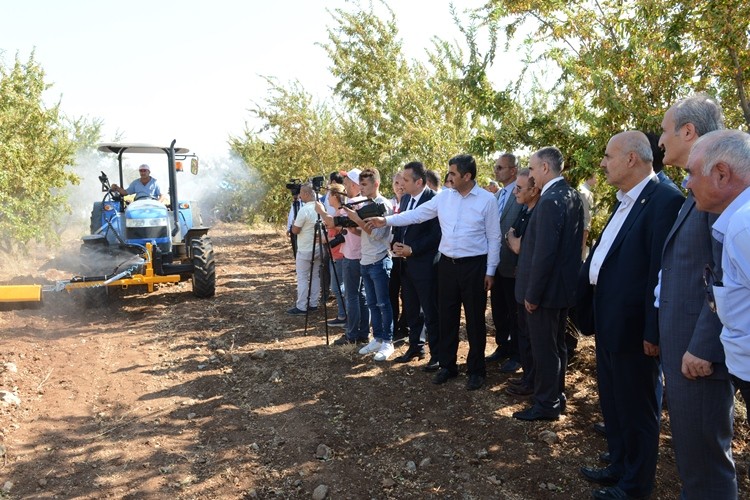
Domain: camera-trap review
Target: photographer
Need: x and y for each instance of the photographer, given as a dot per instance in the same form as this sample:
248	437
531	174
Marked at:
293	211
336	239
304	228
376	266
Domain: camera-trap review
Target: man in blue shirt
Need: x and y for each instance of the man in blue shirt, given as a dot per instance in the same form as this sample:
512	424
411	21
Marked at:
145	186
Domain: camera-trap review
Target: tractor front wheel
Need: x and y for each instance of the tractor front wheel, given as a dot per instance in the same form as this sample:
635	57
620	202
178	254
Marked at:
204	273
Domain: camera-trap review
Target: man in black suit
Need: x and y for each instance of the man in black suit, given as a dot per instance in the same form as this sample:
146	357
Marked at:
418	245
618	281
547	272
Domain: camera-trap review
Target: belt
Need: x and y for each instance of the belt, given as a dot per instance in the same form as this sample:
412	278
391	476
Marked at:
461	260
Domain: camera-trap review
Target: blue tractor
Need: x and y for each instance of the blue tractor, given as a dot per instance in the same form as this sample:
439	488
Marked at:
147	241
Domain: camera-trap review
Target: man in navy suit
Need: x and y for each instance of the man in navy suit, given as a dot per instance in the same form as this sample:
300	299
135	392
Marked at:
618	280
418	245
547	272
700	396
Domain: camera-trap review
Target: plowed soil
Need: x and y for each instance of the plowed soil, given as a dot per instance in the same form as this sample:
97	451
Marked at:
164	395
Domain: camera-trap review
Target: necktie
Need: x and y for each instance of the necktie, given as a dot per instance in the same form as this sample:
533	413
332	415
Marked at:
501	201
411	204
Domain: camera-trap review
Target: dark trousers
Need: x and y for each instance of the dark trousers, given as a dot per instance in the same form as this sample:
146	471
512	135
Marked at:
420	309
546	328
504	315
395	293
701	416
524	347
631	406
461	282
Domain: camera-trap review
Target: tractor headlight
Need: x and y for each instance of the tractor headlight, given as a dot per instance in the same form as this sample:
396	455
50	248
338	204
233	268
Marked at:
153	222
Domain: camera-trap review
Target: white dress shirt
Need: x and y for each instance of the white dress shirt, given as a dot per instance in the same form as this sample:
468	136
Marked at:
627	201
470	224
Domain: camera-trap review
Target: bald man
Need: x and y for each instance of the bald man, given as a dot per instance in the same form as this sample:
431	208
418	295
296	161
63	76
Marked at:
618	280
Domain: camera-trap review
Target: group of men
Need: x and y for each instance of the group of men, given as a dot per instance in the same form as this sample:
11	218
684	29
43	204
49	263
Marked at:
665	290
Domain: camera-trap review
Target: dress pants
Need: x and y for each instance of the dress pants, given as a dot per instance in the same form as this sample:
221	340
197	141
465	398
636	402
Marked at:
631	406
461	282
305	267
504	315
546	330
420	304
524	348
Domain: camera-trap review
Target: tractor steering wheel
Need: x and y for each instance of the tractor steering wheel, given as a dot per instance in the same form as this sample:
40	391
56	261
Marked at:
141	196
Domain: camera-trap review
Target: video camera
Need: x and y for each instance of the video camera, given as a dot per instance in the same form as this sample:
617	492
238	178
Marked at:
370	210
294	185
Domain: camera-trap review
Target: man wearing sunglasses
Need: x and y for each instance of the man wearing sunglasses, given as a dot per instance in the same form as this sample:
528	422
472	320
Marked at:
143	187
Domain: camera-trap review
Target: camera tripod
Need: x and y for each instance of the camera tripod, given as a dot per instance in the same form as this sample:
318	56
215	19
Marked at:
318	236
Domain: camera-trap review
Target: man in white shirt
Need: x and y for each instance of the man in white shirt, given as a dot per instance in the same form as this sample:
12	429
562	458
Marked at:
470	251
304	228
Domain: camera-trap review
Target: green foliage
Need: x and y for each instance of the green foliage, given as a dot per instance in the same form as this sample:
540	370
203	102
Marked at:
36	145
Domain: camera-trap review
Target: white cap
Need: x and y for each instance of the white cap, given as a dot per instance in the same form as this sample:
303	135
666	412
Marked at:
353	175
144	167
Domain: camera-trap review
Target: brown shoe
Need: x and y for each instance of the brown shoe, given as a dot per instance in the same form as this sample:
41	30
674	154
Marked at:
519	390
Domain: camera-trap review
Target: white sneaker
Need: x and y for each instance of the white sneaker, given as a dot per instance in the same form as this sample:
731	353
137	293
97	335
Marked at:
373	346
385	351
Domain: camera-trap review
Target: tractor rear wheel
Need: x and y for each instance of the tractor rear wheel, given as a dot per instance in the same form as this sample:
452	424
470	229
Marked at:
204	273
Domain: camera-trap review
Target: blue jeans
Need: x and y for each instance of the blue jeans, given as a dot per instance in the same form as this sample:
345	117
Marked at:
338	291
375	277
357	315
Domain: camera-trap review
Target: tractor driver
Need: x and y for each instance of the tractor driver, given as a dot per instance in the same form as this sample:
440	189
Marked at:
144	186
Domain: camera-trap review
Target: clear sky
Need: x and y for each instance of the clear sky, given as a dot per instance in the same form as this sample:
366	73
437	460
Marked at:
158	70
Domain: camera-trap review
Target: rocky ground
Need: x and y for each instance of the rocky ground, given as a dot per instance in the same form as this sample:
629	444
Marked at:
164	395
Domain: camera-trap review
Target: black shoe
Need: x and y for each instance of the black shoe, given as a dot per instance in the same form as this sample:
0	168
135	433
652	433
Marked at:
605	457
519	390
363	340
409	355
344	340
603	476
431	366
400	336
534	413
516	381
612	493
600	428
443	375
475	382
496	356
313	309
510	366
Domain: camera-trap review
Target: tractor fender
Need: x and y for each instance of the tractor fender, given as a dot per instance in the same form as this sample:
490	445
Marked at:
195	232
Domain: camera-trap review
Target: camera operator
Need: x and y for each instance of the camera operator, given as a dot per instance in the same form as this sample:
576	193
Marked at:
293	211
336	239
376	266
304	228
357	315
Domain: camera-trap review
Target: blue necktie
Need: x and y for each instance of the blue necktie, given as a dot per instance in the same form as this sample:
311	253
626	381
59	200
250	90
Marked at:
501	201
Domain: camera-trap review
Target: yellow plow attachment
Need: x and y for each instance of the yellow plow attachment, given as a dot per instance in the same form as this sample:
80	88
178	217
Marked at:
20	293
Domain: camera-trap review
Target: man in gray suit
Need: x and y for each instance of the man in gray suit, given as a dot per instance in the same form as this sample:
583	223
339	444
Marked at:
502	298
699	390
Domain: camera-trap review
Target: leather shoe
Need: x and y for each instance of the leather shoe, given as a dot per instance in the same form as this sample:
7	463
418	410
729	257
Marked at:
475	382
534	413
431	366
603	476
516	381
496	356
519	390
443	375
510	366
612	493
600	428
605	457
409	355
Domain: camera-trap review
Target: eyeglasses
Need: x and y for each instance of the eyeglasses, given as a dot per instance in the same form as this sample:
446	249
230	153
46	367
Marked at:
710	281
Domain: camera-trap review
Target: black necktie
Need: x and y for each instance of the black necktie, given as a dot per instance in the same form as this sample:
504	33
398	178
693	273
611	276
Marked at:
411	205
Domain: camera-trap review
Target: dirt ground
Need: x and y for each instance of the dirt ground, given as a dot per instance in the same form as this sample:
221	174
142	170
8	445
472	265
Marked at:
169	396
